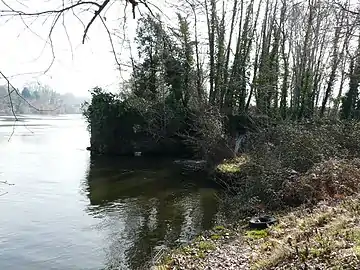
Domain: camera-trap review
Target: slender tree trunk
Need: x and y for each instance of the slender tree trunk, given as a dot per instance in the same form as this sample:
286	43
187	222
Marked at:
228	50
198	68
334	66
220	61
211	32
284	87
252	86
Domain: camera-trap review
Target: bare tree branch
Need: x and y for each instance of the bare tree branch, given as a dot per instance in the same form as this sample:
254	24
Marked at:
77	7
5	183
103	5
347	9
16	91
67	34
111	42
13	12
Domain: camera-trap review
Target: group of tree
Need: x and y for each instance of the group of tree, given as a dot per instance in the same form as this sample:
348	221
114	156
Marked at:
36	98
283	59
279	60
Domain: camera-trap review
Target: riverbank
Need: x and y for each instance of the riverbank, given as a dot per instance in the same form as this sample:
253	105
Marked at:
310	183
325	236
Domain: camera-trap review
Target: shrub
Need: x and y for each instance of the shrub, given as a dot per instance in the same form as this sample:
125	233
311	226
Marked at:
296	146
122	125
111	123
295	163
206	135
332	178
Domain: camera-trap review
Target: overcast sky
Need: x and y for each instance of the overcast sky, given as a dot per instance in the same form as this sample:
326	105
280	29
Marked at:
77	67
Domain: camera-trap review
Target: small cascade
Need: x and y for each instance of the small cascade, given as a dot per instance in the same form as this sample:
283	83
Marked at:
240	139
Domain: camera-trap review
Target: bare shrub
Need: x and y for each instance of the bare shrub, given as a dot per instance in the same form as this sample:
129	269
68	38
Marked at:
349	137
290	164
206	135
296	146
332	178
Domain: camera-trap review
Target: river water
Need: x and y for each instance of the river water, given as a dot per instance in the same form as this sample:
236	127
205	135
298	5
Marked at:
63	209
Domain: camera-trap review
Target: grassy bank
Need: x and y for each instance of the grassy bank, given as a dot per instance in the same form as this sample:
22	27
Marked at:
325	236
307	175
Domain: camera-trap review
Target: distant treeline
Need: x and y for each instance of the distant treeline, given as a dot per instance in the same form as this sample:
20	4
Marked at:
35	98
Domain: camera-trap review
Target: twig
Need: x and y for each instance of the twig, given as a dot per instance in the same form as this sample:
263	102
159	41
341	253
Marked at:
13	12
13	131
67	34
111	42
346	9
6	183
21	97
97	12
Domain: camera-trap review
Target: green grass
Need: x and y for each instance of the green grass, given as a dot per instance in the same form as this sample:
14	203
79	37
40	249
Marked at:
329	235
219	228
257	234
233	165
186	250
215	237
206	245
201	255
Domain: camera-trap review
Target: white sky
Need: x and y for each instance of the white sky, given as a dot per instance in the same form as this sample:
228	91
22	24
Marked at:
91	64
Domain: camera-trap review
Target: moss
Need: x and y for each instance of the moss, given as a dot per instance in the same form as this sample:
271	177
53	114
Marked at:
315	252
267	246
357	250
215	237
257	234
323	219
161	267
198	238
233	165
278	227
166	261
356	236
302	225
201	255
186	250
219	228
229	168
206	245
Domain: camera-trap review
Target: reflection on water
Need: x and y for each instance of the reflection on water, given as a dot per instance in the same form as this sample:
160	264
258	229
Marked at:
68	210
147	204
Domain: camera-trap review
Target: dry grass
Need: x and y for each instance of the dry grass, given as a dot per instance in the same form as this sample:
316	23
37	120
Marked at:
187	256
317	167
335	178
327	237
292	164
277	187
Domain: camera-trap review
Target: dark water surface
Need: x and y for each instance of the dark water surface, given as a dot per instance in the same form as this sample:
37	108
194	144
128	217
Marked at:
66	210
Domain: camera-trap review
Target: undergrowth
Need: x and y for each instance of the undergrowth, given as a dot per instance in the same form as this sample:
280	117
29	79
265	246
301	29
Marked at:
292	164
326	238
